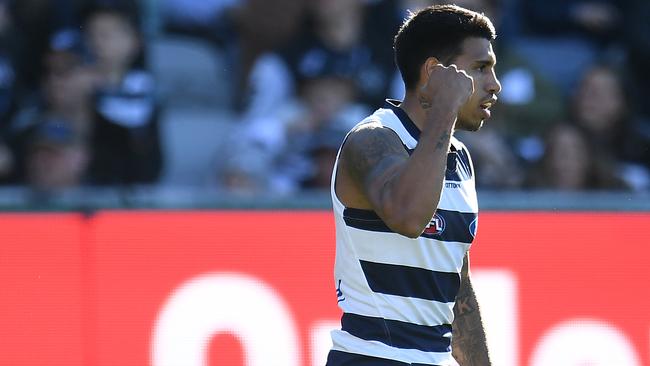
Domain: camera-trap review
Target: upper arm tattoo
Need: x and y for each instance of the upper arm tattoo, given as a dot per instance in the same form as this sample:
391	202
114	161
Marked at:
370	151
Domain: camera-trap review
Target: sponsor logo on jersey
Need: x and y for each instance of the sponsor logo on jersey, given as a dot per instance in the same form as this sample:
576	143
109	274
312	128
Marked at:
436	225
452	185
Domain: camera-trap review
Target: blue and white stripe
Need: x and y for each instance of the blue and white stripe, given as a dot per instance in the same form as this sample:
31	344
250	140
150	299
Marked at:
398	293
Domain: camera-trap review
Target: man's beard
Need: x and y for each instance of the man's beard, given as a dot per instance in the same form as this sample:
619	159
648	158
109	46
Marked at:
468	125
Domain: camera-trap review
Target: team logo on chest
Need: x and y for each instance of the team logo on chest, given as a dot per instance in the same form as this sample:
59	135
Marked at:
436	225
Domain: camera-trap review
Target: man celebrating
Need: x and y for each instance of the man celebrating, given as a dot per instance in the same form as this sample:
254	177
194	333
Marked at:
405	203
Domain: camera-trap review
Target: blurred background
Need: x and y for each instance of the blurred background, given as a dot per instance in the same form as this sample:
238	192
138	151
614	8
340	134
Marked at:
170	160
125	103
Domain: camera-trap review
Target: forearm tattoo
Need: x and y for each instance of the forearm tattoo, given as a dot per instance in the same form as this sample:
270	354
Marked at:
443	142
424	102
469	345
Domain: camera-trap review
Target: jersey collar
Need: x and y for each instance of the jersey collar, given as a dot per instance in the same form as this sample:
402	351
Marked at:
407	122
409	125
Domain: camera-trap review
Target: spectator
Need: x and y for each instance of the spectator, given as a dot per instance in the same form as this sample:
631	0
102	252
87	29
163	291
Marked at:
326	108
596	149
600	108
69	83
326	102
125	139
262	27
242	171
572	163
57	126
340	34
348	31
322	152
35	22
56	158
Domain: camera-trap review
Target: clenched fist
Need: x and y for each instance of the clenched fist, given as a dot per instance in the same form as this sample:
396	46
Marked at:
446	87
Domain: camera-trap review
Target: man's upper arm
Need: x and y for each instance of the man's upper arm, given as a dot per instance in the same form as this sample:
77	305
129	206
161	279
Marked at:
373	154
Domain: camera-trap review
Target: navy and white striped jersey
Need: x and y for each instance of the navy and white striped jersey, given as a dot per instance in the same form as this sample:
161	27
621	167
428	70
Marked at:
397	294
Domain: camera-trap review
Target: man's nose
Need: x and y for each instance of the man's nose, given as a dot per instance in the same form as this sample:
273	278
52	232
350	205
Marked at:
494	85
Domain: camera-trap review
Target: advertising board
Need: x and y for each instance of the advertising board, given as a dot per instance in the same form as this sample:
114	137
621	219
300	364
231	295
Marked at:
256	288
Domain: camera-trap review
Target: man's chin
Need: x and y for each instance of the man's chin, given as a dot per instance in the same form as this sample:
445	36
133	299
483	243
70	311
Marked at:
470	126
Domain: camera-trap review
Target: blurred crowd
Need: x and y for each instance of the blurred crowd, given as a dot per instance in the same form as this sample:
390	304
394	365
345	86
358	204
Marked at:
255	96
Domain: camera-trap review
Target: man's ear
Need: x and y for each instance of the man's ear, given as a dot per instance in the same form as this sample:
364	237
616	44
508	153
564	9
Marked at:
425	71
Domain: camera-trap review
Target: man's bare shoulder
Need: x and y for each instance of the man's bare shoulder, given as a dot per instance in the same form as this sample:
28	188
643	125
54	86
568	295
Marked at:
369	146
369	149
372	138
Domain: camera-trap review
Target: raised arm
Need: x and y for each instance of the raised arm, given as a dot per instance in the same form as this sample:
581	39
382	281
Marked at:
469	346
405	190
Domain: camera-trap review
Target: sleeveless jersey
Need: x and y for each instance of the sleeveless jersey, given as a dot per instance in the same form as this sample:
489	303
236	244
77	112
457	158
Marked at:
397	294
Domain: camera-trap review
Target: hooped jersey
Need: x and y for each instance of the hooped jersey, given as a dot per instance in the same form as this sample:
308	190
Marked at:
397	293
